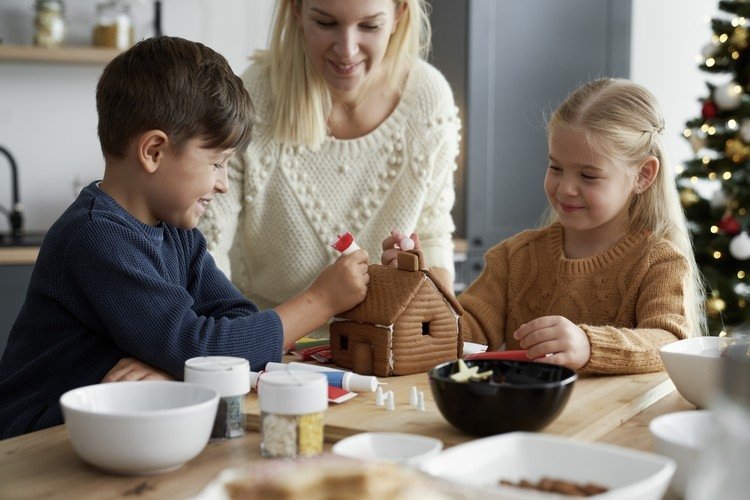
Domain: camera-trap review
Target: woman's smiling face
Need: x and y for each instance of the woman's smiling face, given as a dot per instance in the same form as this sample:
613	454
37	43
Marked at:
346	40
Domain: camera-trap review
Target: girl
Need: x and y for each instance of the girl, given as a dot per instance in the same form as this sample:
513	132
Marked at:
612	277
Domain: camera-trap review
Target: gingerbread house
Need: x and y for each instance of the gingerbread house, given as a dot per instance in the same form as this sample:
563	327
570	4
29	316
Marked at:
407	323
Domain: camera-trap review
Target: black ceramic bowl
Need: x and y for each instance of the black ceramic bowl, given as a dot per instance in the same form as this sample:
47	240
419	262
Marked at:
521	396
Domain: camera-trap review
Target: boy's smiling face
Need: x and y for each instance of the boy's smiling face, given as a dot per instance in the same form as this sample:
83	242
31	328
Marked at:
184	184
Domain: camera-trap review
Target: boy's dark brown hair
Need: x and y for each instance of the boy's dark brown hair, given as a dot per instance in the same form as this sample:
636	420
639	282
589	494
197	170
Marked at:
182	88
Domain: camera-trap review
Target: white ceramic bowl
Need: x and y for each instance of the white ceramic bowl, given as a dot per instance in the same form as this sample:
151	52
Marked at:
147	427
389	446
694	365
682	436
628	474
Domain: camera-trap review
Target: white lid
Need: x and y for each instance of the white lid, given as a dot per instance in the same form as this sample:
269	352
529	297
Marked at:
292	392
227	375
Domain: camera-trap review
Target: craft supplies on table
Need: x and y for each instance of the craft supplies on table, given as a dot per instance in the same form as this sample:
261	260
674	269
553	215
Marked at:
292	405
230	377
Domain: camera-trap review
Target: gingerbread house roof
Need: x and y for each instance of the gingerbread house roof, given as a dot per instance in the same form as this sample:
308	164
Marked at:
391	289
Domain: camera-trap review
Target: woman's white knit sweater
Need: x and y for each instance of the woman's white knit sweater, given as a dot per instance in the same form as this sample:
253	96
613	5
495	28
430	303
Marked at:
271	232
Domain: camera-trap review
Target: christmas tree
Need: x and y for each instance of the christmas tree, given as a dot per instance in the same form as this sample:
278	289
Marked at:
715	184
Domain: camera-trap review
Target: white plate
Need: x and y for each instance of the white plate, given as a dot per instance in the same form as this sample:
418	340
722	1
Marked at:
298	471
628	474
389	446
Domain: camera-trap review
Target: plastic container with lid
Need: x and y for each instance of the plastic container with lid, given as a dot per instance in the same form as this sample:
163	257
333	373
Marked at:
292	405
230	377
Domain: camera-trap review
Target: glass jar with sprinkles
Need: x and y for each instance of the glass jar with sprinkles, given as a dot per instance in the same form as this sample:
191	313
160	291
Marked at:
230	377
292	404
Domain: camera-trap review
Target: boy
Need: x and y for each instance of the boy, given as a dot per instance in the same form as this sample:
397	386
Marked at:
124	273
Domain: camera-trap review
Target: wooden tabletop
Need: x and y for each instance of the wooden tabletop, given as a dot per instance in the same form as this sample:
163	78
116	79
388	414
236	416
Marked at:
613	409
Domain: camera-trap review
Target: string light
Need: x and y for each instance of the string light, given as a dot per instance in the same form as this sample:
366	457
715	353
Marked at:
723	37
678	169
712	176
694	180
710	62
722	333
735	55
726	176
706	160
711	130
741	274
687	133
714	229
735	22
732	124
717	255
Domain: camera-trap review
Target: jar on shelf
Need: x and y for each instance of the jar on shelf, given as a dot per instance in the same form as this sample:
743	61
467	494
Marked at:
292	404
114	26
49	23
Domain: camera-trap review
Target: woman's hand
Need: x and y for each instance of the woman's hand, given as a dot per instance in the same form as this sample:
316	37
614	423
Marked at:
555	340
398	242
130	369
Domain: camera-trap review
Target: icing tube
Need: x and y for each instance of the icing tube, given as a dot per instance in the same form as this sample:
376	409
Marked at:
344	243
337	378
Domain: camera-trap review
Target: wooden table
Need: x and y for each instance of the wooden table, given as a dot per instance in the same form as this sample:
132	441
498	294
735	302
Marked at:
615	410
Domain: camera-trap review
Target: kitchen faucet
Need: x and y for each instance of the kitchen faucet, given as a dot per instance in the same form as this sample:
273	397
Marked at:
15	214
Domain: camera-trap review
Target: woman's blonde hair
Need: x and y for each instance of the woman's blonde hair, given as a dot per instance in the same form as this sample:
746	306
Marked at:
623	122
301	100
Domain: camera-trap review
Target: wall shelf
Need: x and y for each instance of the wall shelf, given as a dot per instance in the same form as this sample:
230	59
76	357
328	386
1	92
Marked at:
70	54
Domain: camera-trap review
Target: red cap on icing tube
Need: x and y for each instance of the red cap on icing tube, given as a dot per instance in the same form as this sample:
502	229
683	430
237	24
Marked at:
344	243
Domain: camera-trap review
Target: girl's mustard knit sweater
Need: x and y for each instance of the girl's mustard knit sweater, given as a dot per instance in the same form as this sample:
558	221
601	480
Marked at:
629	300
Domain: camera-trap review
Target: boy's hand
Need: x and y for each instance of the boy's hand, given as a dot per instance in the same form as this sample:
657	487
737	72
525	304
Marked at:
557	338
343	284
129	369
392	246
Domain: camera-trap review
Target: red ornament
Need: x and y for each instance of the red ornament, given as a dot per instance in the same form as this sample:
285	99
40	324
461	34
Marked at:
709	110
730	225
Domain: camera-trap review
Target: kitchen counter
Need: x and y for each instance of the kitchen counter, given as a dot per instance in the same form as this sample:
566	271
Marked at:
18	255
15	255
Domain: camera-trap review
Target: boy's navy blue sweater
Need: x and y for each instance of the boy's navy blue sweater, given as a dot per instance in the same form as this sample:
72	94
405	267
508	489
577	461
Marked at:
106	286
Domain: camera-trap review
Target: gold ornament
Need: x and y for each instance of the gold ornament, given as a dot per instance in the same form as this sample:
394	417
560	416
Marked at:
697	142
736	150
739	37
688	197
714	306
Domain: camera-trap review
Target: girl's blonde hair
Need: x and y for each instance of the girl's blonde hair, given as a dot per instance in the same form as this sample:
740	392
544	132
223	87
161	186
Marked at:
301	100
623	122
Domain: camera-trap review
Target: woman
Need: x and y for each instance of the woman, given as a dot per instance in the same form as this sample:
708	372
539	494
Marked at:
355	132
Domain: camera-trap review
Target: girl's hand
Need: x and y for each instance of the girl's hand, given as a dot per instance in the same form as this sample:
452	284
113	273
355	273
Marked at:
396	243
129	369
557	338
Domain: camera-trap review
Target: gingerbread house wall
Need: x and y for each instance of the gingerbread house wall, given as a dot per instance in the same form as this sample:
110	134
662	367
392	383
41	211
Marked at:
417	348
360	347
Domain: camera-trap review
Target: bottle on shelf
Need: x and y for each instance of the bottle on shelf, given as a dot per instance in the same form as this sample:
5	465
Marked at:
49	23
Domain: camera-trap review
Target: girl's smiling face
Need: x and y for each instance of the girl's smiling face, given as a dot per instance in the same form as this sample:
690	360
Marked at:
346	40
590	194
